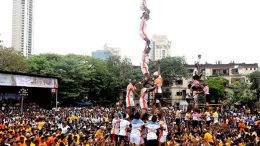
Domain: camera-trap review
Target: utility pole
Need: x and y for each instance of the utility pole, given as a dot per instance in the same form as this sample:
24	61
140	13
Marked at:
23	93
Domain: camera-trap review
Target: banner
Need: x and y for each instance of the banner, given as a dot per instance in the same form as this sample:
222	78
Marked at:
27	81
7	80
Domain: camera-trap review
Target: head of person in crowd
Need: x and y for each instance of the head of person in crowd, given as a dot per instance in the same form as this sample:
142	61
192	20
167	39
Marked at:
199	56
155	75
133	81
115	115
154	118
137	116
145	84
189	86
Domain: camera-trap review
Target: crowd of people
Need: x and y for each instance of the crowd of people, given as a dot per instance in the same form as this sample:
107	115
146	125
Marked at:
111	125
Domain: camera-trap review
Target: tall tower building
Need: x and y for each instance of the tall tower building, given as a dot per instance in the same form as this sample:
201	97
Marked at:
160	47
22	27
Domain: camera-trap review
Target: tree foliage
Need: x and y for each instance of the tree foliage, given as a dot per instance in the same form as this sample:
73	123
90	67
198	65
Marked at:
217	86
255	83
171	69
241	94
11	60
83	76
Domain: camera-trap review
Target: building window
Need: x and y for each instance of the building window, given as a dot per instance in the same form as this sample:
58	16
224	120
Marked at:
234	71
179	93
225	72
179	82
215	72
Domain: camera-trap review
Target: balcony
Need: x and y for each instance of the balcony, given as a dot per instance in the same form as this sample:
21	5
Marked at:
220	72
235	71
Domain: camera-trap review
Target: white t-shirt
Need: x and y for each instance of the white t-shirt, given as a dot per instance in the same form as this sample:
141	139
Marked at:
164	125
65	129
144	94
129	89
188	93
115	126
136	127
207	114
152	129
124	124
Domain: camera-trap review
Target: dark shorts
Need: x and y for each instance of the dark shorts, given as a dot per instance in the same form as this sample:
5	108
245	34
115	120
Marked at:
178	121
208	123
158	96
114	137
195	123
123	138
152	143
207	98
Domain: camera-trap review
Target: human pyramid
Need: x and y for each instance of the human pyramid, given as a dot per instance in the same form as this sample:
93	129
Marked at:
197	93
152	119
147	88
145	54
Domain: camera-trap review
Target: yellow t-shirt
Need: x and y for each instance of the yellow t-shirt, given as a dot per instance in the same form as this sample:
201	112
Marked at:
106	119
241	144
208	137
40	125
78	138
191	136
215	115
70	119
227	120
98	134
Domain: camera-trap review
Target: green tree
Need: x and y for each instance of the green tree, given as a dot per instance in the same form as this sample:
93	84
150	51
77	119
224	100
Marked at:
240	93
79	76
171	69
83	76
255	83
216	86
120	72
44	64
11	60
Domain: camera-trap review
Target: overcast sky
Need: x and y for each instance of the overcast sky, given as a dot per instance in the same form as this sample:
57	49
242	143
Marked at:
218	29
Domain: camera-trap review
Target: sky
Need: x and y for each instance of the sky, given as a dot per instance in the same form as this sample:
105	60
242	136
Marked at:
226	30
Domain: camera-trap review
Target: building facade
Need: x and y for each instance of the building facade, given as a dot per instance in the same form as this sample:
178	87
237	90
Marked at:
232	72
106	52
160	47
113	50
22	26
100	54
